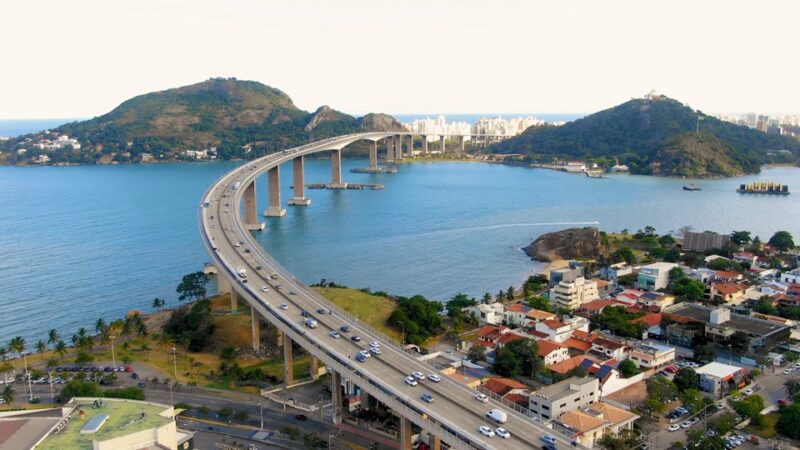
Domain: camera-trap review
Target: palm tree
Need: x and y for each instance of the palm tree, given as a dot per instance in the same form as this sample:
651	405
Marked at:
112	331
165	340
41	347
53	337
61	348
3	353
7	395
99	325
158	303
17	344
487	298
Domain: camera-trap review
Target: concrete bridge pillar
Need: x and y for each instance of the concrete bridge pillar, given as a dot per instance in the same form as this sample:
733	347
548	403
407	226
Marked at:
405	433
389	149
463	138
436	443
398	148
336	169
298	169
336	397
223	285
442	144
365	400
424	145
313	369
373	155
250	208
410	145
255	329
234	301
274	209
288	361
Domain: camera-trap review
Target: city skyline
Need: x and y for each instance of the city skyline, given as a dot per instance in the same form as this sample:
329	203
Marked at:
455	57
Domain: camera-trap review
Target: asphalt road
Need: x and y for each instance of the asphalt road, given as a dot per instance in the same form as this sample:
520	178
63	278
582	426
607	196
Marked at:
454	405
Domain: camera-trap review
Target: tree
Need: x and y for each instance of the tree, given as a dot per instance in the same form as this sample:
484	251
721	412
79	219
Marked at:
487	298
696	438
764	305
80	388
540	303
292	432
111	332
61	348
7	395
740	237
100	325
310	441
241	415
53	337
224	413
624	254
41	347
457	303
782	240
751	407
192	286
687	378
158	303
705	353
688	289
724	423
477	353
789	421
792	386
627	368
130	393
228	354
510	293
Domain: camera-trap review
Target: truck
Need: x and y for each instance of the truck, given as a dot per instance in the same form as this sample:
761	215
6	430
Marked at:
242	272
497	415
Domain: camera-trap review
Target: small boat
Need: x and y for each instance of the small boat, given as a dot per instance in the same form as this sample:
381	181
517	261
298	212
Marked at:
691	187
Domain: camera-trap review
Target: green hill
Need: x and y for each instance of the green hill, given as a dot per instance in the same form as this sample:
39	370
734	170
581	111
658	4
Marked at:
653	136
224	113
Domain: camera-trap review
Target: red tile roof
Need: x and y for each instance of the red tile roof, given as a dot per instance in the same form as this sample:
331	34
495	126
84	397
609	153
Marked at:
508	337
547	346
567	365
729	288
517	307
650	319
502	386
598	305
726	274
483	343
520	399
607	343
554	324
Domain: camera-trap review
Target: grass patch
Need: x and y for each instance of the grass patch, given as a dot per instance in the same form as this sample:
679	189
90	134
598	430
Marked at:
370	309
767	430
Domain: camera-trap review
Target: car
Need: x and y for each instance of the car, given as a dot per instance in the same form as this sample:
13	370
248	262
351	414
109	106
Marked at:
264	289
797	365
694	420
418	375
748	391
344	329
548	439
553	447
783	402
375	350
311	323
335	334
482	398
674	427
305	313
486	431
364	352
142	384
502	433
686	424
284	306
411	381
247	250
787	371
355	338
258	267
428	398
711	433
435	378
301	417
374	344
292	292
135	376
720	405
360	357
681	410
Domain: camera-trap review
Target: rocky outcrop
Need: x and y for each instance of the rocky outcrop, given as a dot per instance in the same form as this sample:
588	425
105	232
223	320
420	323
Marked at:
324	114
380	122
572	243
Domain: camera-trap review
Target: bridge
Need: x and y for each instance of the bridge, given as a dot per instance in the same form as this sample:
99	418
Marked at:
276	296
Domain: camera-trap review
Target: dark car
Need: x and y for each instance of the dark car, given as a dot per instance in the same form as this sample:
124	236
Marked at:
344	329
321	311
258	267
301	417
305	313
549	447
135	376
355	338
142	384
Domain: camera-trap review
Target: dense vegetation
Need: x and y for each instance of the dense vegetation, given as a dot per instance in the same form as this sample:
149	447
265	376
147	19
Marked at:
224	113
419	317
192	326
654	137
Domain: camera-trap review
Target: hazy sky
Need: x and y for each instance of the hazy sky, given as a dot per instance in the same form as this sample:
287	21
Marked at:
81	58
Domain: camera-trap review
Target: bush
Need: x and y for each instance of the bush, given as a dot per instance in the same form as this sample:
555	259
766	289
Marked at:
79	388
130	393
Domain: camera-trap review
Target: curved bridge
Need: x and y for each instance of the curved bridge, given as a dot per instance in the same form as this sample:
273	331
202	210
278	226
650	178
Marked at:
273	293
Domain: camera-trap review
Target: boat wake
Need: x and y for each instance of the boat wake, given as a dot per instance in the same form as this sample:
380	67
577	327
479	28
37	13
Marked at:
500	226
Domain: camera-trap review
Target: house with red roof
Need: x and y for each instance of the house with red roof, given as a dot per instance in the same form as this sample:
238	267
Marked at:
607	348
724	276
731	293
748	258
502	386
559	330
552	352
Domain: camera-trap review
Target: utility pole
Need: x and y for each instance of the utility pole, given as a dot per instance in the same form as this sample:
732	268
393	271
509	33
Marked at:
175	363
261	414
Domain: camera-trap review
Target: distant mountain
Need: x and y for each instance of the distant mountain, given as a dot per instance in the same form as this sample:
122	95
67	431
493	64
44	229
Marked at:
227	114
657	136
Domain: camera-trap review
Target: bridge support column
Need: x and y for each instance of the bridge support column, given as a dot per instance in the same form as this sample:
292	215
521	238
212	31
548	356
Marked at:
410	145
373	155
398	148
365	400
424	145
274	209
250	208
234	301
299	198
436	443
336	397
405	433
389	150
336	170
442	145
463	138
288	361
223	285
313	369
255	329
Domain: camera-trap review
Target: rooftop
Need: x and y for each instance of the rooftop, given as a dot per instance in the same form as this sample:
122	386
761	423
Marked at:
124	417
749	325
564	388
718	370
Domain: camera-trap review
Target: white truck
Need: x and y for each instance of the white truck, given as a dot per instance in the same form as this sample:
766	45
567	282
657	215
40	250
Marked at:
242	272
497	415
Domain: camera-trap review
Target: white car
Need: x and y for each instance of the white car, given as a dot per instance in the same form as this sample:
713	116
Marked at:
418	375
375	350
787	371
284	306
264	289
374	344
502	433
675	427
748	391
686	424
365	353
435	378
411	381
797	365
335	334
482	398
486	431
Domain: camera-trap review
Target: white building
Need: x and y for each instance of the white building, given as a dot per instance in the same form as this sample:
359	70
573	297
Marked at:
573	393
653	277
492	313
560	331
792	277
572	295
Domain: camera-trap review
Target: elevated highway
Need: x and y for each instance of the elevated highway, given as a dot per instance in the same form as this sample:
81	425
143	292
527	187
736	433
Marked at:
227	213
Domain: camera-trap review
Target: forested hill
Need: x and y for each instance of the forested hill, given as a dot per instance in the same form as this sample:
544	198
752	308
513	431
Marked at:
227	114
655	136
